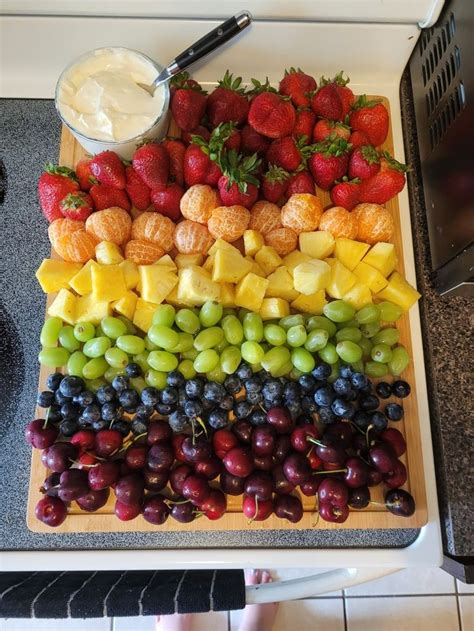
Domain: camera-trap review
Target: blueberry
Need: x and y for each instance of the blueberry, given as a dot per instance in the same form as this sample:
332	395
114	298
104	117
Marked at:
343	408
182	398
193	408
164	409
253	385
383	389
291	391
60	398
133	370
68	427
129	399
92	413
272	402
194	388
71	385
272	389
379	421
86	397
351	395
122	426
361	419
207	405
242	409
70	409
359	380
326	415
258	417
100	425
109	411
54	414
308	405
346	372
321	372
324	396
342	387
369	403
120	383
178	421
45	399
169	395
83	423
150	396
227	402
307	383
218	419
144	411
254	397
366	389
394	411
53	381
294	408
105	394
175	379
244	371
214	391
232	384
401	389
139	425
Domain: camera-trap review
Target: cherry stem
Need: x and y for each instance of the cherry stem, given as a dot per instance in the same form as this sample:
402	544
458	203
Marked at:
377	503
362	457
173	502
367	435
330	471
256	511
356	426
202	424
46	419
315	442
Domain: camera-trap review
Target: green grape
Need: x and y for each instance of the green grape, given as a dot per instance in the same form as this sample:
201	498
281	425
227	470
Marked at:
242	313
67	339
295	374
252	352
275	358
94	384
316	340
208	338
348	333
131	344
349	351
291	320
163	336
369	330
116	358
389	312
99	332
149	344
352	324
217	374
375	369
206	360
131	328
284	370
95	368
253	327
210	313
96	347
84	331
187	321
274	334
76	363
230	359
227	311
386	336
164	315
321	322
191	354
50	331
185	343
368	314
328	354
155	378
138	384
296	335
358	366
400	360
302	360
113	327
381	353
256	367
54	357
162	360
339	311
112	372
233	329
334	372
141	360
222	344
186	368
366	346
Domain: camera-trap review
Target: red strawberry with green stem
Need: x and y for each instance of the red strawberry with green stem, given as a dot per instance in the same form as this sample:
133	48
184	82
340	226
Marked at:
301	182
364	162
166	200
77	206
272	115
385	184
288	153
372	118
228	102
325	128
345	94
327	103
108	169
84	174
53	186
329	161
188	103
274	184
304	124
201	158
175	149
137	190
252	141
152	163
346	193
297	84
239	184
200	130
107	196
358	139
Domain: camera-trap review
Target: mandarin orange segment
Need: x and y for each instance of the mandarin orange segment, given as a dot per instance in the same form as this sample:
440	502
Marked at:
374	223
198	202
60	227
191	237
77	247
264	217
339	222
302	212
152	226
111	224
283	240
143	252
229	222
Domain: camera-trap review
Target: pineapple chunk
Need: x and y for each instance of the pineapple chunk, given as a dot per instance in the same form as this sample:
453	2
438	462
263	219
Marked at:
130	272
167	261
196	286
293	259
229	267
317	245
227	295
341	279
280	285
82	281
383	257
253	241
188	260
274	308
54	274
310	277
358	296
255	269
208	264
268	259
143	316
350	252
156	282
126	305
64	306
220	244
108	282
313	303
250	292
399	291
108	253
88	309
370	277
172	299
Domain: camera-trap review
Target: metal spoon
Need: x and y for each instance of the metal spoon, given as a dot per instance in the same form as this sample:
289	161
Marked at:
204	46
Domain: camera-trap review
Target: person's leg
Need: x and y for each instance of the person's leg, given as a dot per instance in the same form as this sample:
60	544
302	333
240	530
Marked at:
258	617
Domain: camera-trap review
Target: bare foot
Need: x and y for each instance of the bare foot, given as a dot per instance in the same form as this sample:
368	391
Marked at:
175	622
258	617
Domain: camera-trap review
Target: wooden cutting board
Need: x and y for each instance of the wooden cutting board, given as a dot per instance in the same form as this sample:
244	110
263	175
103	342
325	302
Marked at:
373	517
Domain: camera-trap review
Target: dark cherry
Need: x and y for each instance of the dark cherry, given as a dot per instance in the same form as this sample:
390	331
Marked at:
129	489
40	436
158	432
382	457
107	442
359	498
50	485
263	440
136	456
72	484
51	511
281	484
394	438
126	512
184	513
280	419
300	435
259	484
231	484
288	507
83	439
103	475
243	430
177	442
311	486
296	468
195	451
374	477
263	463
397	477
330	453
215	505
400	502
334	466
314	460
255	510
333	491
342	432
155	481
238	461
59	457
281	449
332	513
177	477
223	441
160	457
155	510
123	466
209	468
356	474
93	500
196	489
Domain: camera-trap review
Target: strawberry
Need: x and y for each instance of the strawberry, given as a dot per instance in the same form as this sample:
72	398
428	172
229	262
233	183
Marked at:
84	174
285	153
296	84
327	103
371	117
364	162
107	196
238	184
151	162
166	200
53	185
227	102
137	190
234	141
181	80
175	149
252	141
324	128
346	193
77	206
200	130
107	167
385	184
346	95
329	161
358	139
201	158
274	184
272	115
188	105
301	182
305	119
